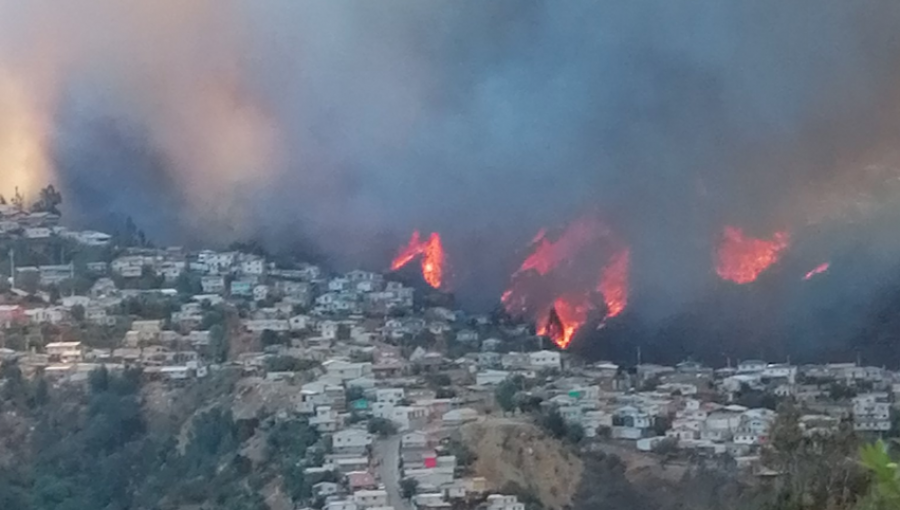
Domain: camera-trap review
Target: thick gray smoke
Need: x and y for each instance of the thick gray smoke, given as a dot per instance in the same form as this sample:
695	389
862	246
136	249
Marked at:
342	126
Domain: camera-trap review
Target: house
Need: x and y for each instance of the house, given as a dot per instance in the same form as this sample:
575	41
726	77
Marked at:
457	417
357	480
260	292
545	359
326	419
242	288
872	412
212	284
350	441
430	500
467	336
490	377
328	329
65	352
370	498
501	502
341	505
404	417
255	266
325	489
345	370
258	326
390	395
298	322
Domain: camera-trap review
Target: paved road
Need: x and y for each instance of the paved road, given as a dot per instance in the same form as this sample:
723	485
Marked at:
387	455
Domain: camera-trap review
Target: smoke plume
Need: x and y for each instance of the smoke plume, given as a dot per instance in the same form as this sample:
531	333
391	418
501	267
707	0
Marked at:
343	126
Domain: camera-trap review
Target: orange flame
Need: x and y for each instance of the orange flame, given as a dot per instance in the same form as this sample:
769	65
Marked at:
821	268
547	255
614	283
549	283
564	319
741	259
432	257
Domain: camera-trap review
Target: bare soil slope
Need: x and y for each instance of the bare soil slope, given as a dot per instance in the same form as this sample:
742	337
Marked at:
514	451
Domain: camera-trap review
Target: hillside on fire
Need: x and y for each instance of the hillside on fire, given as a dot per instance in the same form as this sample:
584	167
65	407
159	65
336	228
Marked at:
432	255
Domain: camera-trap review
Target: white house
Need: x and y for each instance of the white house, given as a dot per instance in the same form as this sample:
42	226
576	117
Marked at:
299	322
872	412
545	359
390	395
501	502
490	377
350	441
370	498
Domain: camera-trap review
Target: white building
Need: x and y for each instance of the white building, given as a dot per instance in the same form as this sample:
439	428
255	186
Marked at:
501	502
350	441
370	498
872	412
545	359
389	395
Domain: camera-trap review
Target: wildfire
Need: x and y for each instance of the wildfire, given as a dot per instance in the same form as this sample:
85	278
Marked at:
565	317
432	257
550	285
741	259
821	268
614	283
547	255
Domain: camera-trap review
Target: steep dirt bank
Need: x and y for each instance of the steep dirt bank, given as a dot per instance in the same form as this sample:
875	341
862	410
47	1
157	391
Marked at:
513	451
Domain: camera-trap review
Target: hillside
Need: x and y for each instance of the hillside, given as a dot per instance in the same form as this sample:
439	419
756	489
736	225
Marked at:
513	452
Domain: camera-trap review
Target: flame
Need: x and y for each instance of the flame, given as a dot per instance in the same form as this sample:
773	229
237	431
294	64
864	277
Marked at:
550	283
821	268
614	283
547	255
565	317
432	257
741	259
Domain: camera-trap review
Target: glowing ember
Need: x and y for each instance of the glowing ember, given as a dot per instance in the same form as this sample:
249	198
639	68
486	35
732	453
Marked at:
821	268
566	316
614	283
741	258
432	257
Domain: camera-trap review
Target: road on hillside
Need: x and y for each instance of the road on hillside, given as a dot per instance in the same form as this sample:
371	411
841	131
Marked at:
387	458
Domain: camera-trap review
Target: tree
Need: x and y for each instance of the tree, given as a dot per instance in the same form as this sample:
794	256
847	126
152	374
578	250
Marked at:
505	394
408	487
218	343
77	312
48	201
269	337
884	493
575	433
554	423
381	426
18	201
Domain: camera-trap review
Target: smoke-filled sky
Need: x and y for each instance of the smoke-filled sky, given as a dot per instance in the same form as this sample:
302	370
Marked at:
342	126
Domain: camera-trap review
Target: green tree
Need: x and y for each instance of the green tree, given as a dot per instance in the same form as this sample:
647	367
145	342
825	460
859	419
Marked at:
381	426
408	487
77	312
884	493
554	423
575	433
505	394
218	343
